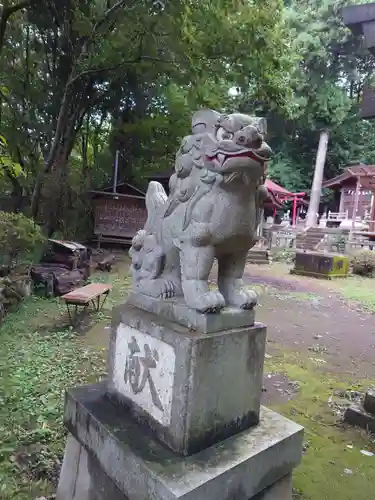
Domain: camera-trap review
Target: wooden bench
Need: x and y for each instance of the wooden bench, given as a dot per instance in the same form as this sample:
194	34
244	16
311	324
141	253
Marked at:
82	297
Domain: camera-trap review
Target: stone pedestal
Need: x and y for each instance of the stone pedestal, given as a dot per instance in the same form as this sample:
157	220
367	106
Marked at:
191	389
179	416
110	452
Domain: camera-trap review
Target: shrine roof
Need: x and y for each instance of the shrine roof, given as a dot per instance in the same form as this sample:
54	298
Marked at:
353	172
276	189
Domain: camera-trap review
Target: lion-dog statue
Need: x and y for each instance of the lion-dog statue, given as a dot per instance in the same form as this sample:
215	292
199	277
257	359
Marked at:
212	212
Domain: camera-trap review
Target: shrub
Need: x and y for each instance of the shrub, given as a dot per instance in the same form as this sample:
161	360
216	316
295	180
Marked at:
338	244
285	254
20	237
363	263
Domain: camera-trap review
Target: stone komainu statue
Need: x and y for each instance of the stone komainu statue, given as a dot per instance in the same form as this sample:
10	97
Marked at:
212	212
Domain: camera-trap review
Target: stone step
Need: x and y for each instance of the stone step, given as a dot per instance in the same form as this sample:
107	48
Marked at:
258	256
310	239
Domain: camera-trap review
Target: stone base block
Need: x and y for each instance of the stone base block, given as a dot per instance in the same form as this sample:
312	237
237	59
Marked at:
111	457
358	416
175	310
191	389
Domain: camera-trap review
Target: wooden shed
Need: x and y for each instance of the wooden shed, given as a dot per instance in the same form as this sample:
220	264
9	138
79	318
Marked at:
356	185
119	213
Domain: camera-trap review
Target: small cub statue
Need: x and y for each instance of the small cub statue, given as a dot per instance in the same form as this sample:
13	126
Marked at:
212	212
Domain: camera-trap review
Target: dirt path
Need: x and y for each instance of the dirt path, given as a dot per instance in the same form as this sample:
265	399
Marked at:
306	316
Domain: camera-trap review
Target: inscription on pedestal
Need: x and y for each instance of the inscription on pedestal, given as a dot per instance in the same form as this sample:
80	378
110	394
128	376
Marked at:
144	369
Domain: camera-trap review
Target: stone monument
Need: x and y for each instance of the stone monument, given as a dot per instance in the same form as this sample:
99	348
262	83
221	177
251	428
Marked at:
179	416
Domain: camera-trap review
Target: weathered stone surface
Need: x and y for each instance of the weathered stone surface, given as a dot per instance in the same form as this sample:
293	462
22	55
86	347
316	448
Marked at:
238	468
85	480
74	481
358	416
212	212
369	403
321	265
177	311
281	490
191	389
82	478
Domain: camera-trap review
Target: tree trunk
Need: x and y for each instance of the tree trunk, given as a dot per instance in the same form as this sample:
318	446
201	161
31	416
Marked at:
62	123
318	179
53	201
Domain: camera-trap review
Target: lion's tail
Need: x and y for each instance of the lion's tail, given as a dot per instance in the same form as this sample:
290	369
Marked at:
156	198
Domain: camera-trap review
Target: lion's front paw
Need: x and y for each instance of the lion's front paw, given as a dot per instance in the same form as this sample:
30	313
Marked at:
243	298
209	302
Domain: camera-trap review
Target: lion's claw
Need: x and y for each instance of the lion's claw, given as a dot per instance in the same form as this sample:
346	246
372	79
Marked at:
210	302
242	298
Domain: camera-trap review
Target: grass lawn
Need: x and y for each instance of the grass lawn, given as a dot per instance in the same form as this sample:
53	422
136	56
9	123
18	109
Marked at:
358	290
41	356
333	466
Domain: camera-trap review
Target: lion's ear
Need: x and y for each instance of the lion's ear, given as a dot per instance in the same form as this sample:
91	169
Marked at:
205	120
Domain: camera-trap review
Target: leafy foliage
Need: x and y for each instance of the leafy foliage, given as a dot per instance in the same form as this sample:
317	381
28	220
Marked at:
286	255
86	78
80	80
327	85
6	162
363	263
19	236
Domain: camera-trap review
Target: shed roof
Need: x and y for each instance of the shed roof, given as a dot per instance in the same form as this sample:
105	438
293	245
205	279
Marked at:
131	187
351	172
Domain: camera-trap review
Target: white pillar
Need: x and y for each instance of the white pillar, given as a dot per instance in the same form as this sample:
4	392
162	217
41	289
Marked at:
316	187
341	207
356	200
261	221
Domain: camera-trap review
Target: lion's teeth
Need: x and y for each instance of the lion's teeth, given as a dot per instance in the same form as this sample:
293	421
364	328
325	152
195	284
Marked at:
221	157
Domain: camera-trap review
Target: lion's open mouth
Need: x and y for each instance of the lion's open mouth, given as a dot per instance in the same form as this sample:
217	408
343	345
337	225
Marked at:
221	158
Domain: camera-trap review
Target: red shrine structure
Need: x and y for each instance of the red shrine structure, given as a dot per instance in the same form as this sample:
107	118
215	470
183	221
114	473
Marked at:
279	195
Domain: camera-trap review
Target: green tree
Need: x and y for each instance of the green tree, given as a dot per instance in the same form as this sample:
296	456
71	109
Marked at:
74	68
327	85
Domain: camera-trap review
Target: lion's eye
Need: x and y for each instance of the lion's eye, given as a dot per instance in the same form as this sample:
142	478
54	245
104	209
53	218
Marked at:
222	134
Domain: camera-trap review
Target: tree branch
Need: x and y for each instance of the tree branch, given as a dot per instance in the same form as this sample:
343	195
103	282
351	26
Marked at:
18	6
112	10
96	71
